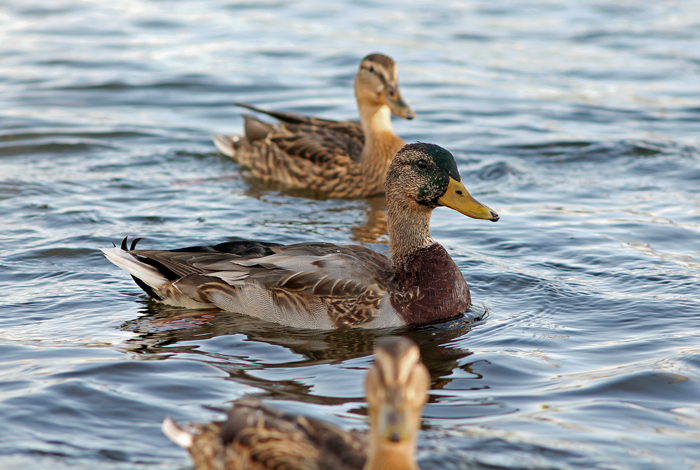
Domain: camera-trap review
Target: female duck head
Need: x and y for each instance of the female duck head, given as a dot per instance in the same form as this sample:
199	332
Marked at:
426	175
377	83
397	389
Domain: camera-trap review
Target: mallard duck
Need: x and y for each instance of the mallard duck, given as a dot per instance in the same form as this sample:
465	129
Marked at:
257	436
323	285
336	158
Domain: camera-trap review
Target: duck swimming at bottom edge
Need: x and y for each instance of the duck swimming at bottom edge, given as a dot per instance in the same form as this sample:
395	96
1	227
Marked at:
260	437
323	285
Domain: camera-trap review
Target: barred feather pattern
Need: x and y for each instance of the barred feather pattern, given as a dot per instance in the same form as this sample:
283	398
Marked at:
328	157
259	437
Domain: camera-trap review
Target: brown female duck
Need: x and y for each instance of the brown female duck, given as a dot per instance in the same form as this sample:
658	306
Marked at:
322	285
336	158
259	437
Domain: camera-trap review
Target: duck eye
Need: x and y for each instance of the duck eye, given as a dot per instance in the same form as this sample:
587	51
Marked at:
422	163
371	68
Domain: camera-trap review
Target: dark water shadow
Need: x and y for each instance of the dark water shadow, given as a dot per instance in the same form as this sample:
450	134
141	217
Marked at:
374	228
602	151
163	331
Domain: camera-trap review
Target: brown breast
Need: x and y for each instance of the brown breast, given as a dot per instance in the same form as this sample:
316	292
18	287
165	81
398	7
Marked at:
429	287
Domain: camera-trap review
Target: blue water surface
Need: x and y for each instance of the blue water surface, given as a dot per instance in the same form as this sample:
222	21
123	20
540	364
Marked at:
578	121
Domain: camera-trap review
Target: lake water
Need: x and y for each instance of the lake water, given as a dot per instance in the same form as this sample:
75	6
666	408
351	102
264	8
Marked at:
578	121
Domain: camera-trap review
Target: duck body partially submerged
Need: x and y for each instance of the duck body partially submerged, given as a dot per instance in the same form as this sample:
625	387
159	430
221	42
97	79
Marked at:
259	436
342	159
323	285
306	285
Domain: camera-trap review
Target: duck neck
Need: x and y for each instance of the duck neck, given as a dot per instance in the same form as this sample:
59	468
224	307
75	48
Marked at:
409	229
391	456
375	118
379	134
427	284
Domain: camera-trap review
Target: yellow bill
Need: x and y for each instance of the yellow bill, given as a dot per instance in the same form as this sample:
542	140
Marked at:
458	198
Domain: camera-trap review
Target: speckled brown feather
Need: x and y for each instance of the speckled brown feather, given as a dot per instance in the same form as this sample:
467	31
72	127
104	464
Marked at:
337	158
256	436
324	158
259	437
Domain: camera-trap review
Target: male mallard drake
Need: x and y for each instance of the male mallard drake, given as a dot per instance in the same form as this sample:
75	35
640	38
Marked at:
337	158
322	285
259	437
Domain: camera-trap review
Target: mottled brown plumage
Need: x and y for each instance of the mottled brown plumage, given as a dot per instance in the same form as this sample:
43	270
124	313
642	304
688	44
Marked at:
322	285
256	436
259	437
336	158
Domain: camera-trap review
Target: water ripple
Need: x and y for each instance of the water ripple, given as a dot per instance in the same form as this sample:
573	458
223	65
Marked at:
576	121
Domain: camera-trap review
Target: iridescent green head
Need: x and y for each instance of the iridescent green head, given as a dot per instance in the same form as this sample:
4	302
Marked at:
427	174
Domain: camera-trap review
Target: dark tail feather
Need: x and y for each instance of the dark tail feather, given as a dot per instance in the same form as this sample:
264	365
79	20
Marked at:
125	243
133	244
290	118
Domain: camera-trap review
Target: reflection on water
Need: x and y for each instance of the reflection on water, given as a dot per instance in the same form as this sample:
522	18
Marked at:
371	224
163	330
374	230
